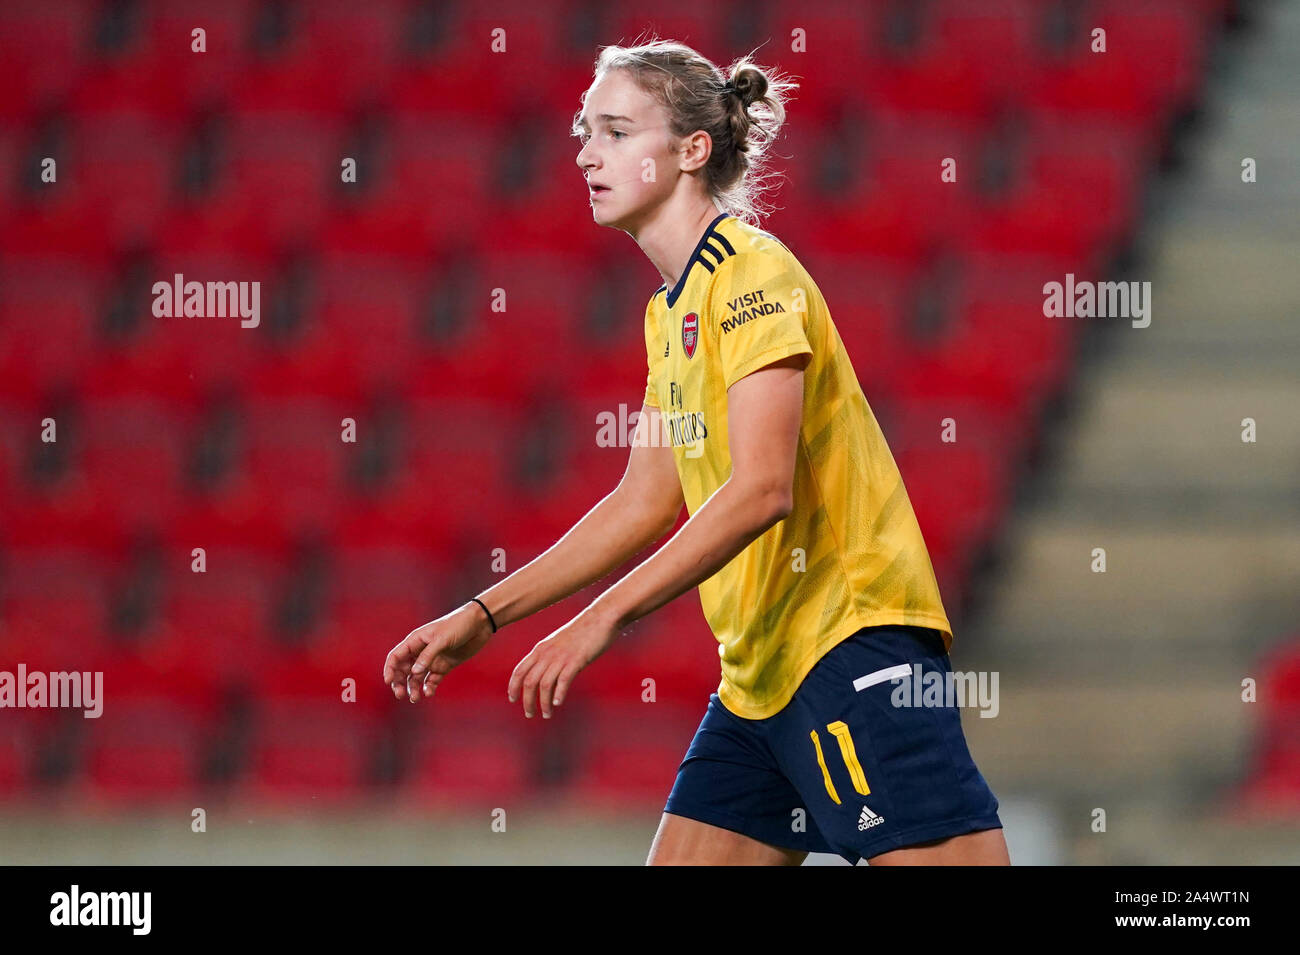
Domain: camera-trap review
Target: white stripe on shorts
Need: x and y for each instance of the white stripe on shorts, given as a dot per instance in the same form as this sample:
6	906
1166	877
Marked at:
880	676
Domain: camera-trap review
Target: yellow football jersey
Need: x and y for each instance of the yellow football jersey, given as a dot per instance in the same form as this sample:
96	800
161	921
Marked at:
850	554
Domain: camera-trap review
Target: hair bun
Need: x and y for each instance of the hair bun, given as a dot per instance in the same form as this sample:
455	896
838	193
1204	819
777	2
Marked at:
749	84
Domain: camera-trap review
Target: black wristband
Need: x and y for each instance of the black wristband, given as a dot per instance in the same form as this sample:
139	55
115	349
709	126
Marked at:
486	611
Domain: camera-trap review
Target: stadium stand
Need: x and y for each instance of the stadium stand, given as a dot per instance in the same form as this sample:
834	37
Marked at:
320	552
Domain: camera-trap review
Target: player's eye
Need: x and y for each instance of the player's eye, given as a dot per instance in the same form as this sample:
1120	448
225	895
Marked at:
618	134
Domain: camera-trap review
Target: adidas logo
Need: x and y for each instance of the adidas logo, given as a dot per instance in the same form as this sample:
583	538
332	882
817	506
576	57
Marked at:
868	819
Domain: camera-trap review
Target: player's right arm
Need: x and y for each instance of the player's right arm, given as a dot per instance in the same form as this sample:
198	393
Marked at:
639	511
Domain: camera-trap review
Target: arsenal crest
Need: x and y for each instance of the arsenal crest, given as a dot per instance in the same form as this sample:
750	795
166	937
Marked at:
690	333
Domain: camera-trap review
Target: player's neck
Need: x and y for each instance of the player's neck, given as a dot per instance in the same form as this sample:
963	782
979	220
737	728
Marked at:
669	237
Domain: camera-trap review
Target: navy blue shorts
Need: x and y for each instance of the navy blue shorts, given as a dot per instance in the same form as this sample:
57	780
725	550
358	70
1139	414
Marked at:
840	769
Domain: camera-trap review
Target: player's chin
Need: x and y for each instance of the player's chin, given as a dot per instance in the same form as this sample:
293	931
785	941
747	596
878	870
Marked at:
601	214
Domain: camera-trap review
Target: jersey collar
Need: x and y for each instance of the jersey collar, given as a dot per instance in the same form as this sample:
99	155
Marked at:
695	257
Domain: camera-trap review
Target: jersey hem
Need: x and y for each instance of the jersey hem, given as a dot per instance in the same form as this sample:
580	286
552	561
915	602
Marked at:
753	712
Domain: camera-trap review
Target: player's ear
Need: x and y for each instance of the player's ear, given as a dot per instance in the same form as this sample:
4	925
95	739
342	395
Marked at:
695	151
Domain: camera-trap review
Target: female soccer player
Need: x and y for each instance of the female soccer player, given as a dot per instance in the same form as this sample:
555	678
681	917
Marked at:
810	565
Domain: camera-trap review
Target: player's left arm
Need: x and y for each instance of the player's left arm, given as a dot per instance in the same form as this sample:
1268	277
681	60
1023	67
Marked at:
764	411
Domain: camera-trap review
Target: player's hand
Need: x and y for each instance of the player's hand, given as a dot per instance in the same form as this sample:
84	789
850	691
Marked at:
417	665
554	662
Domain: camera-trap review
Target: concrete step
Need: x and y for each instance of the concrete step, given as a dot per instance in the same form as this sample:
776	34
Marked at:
1065	738
1216	593
1138	432
1172	832
1200	276
1267	205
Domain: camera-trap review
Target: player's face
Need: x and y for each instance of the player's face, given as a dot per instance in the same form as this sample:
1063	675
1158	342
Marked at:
625	151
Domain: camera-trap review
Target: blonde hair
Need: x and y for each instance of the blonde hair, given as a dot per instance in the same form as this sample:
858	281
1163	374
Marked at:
742	109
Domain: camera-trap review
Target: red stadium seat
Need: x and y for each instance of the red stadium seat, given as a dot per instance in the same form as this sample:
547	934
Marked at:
701	26
19	432
183	358
296	458
19	749
368	314
310	749
457	457
866	298
958	493
218	623
122	169
149	744
134	454
998	41
427	184
1000	313
672	646
13	142
586	468
55	604
378	595
482	754
336	56
908	157
1274	780
1082	173
893	202
1155	52
44	48
154	65
631	752
832	34
280	171
50	311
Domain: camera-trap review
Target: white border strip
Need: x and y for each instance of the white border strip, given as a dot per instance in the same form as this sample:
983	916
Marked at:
880	676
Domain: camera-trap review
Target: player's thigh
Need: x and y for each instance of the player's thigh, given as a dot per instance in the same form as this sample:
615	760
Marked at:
986	847
683	841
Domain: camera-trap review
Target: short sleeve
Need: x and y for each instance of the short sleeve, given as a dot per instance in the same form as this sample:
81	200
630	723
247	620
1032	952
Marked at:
759	308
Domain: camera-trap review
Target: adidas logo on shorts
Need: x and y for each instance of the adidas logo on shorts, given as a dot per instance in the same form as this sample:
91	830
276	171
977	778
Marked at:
868	819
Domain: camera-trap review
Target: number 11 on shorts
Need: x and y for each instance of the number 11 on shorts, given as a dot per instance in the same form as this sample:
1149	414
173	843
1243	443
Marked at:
840	730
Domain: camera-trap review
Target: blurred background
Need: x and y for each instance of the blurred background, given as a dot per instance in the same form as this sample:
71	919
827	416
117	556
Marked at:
477	431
